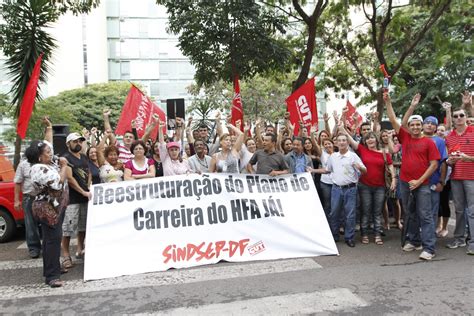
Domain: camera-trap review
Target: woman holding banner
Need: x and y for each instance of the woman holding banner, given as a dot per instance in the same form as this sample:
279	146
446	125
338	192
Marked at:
110	168
170	155
139	167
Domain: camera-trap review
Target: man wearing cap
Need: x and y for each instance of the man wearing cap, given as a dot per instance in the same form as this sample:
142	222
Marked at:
420	160
79	179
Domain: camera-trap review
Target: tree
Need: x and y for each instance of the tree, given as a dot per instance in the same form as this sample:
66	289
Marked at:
224	38
24	37
392	37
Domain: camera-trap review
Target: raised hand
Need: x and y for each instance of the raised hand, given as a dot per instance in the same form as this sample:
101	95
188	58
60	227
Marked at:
326	117
94	131
133	123
466	98
375	116
415	100
45	120
446	105
86	133
107	112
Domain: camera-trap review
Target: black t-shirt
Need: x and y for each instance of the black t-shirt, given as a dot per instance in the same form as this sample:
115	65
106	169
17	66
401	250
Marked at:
95	172
80	172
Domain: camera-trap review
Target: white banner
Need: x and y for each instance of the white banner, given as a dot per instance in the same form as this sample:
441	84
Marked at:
183	221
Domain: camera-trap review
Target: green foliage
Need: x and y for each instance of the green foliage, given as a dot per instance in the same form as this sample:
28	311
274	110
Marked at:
223	38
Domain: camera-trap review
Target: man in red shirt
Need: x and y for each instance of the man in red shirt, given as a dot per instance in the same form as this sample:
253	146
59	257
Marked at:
419	161
460	143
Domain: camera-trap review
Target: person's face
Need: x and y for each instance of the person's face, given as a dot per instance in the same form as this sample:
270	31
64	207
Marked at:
46	156
323	136
459	118
415	127
187	149
156	149
269	129
371	142
75	145
440	131
342	143
174	153
395	140
112	158
267	143
139	151
128	139
384	137
470	121
202	132
233	139
297	146
199	147
287	145
93	154
196	134
364	130
328	146
251	147
429	128
226	143
308	145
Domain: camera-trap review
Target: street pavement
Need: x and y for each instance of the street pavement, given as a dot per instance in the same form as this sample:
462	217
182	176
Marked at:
365	280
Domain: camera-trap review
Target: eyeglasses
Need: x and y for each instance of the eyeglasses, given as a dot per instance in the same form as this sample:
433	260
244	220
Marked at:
457	116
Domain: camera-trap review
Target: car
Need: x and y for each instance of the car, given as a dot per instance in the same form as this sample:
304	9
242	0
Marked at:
10	218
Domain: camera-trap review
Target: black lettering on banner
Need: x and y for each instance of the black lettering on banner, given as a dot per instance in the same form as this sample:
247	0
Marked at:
97	196
136	219
272	207
119	195
109	196
244	209
216	214
295	183
130	194
304	183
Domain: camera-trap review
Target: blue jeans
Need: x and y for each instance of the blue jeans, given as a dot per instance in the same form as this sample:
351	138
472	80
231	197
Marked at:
417	205
463	198
372	202
343	199
326	198
435	198
33	240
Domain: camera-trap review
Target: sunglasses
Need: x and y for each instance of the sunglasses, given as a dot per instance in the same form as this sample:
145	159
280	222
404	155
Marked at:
460	115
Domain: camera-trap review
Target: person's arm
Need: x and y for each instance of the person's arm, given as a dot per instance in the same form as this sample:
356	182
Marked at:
17	202
189	133
107	126
393	184
414	184
48	133
127	174
359	166
149	129
179	129
258	134
442	178
390	144
375	122
239	141
219	129
467	103
449	120
101	148
326	118
149	174
74	185
390	112
213	164
316	147
411	109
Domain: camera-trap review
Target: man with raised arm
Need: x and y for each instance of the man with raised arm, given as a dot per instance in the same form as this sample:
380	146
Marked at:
420	160
460	143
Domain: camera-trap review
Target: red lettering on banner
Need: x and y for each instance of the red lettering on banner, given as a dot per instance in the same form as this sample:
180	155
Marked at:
192	252
256	248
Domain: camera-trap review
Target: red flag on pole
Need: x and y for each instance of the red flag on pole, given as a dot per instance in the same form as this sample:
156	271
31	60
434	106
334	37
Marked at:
237	108
350	122
302	106
140	108
28	101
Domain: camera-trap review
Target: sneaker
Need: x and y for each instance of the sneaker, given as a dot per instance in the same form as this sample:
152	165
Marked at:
425	255
456	243
470	251
410	247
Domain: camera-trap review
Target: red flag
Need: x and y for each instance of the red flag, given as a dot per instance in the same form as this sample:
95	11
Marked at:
28	101
349	119
237	108
302	106
140	108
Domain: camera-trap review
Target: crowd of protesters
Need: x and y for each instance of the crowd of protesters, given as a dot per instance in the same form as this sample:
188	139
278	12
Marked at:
362	173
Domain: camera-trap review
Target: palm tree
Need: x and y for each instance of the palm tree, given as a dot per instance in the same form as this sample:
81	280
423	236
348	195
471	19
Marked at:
24	36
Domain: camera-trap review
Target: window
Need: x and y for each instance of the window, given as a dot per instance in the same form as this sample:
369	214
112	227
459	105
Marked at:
113	28
114	70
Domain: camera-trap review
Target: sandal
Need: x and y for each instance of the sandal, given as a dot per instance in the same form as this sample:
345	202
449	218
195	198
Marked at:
365	240
378	240
55	283
66	262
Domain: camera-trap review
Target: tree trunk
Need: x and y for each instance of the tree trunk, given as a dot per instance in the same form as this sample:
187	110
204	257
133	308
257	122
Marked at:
16	157
380	103
308	58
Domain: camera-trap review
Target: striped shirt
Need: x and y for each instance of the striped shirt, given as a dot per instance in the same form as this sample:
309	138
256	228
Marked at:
462	170
124	153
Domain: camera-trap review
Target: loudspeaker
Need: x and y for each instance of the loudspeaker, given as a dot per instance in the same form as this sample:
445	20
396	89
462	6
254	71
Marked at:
386	125
174	109
60	132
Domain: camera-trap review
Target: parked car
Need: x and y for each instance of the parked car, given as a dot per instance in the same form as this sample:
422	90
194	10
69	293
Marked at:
10	218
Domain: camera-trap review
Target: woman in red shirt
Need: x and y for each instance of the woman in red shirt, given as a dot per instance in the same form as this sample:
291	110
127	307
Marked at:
372	184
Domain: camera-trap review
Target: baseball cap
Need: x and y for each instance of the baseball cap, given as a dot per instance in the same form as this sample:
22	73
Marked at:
74	136
431	119
415	117
173	144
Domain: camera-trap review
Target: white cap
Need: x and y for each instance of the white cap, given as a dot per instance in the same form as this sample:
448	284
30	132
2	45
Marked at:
415	117
73	137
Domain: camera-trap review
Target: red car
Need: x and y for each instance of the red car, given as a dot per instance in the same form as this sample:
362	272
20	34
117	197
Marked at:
9	217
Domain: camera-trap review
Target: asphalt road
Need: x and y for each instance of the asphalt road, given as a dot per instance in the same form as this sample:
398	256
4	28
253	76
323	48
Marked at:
365	280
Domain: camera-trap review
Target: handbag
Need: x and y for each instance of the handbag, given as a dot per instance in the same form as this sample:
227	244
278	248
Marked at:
388	179
50	207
